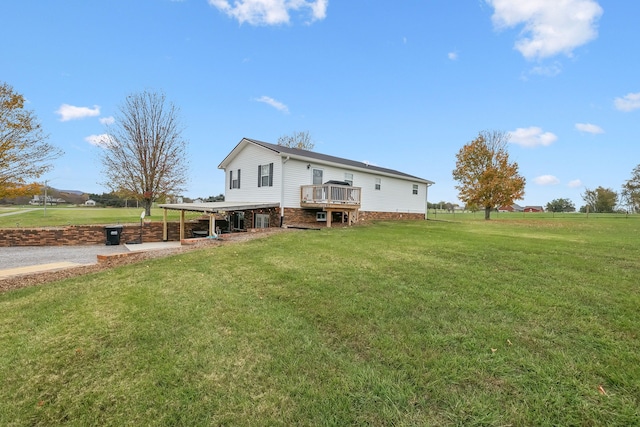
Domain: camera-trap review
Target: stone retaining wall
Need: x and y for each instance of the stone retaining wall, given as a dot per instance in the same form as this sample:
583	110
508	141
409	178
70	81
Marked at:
90	234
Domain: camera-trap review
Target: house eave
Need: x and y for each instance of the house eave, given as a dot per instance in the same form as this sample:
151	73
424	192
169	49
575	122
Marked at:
214	207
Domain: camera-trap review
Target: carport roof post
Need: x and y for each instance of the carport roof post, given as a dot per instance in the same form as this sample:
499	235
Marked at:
210	208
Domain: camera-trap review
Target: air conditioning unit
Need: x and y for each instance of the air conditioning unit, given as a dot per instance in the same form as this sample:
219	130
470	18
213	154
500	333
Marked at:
321	216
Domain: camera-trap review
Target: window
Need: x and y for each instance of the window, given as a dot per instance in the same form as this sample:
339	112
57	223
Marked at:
262	221
317	177
415	188
265	175
348	177
238	220
234	181
378	183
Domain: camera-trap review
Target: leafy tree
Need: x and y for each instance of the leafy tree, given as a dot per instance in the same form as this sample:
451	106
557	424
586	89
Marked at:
24	153
561	205
218	198
486	177
301	140
601	200
631	190
108	199
144	155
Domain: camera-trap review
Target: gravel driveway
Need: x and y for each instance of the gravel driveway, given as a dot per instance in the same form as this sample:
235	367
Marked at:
24	256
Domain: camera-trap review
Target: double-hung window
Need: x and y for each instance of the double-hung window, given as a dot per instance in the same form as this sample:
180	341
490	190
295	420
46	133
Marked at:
415	189
265	175
234	179
378	184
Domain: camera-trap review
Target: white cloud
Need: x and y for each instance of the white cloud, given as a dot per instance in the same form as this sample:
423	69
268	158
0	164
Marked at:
547	71
546	180
589	128
452	56
275	104
551	27
69	112
629	102
532	137
107	120
98	140
574	183
270	12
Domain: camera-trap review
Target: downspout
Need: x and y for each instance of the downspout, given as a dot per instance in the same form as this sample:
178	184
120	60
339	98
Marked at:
284	160
426	202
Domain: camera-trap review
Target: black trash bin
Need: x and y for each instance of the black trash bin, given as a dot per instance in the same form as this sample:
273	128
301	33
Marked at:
113	233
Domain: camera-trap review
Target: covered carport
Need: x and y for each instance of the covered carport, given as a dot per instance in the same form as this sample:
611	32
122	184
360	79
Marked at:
209	209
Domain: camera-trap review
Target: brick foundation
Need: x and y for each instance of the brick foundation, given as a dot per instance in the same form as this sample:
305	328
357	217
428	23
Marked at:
389	216
307	217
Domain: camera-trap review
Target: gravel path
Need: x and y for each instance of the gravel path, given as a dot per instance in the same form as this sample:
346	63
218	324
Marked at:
23	256
15	257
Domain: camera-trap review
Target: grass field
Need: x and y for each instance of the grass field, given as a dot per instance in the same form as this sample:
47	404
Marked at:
514	321
35	216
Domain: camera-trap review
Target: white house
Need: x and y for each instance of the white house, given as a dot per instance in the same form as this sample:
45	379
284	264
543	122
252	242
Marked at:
269	185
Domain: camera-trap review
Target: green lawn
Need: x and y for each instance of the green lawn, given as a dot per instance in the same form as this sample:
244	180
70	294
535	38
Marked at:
523	322
35	216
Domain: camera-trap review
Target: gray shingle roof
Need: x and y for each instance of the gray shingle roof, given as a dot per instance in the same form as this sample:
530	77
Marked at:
312	155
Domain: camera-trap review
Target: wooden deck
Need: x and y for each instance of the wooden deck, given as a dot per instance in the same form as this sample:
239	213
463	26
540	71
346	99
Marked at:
332	198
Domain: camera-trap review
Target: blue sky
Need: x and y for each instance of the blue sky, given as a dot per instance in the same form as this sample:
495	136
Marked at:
402	85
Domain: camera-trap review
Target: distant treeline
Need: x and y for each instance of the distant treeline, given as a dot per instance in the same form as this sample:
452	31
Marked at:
117	201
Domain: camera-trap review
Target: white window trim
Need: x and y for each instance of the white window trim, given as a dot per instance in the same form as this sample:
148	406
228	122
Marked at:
348	177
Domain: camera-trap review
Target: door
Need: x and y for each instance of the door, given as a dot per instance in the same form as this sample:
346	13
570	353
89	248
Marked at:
318	192
238	221
317	177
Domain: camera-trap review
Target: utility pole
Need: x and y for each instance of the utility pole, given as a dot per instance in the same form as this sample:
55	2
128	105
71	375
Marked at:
45	197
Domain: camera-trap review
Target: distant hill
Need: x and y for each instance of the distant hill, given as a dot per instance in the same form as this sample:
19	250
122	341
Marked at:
74	197
74	192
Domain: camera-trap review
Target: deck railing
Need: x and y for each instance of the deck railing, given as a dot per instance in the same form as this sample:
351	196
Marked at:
330	194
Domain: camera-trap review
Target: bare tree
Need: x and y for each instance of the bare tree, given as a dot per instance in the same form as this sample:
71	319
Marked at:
301	140
144	155
25	153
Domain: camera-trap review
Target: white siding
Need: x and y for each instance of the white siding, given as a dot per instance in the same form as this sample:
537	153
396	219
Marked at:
296	175
395	194
247	162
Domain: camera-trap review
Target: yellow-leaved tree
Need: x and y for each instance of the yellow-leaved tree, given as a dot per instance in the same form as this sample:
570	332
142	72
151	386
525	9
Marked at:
486	177
25	153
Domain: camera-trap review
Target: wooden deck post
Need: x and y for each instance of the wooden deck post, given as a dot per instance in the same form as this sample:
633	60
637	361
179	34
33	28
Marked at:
181	225
165	229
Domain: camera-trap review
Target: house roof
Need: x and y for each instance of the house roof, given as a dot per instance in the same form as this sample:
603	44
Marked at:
306	155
